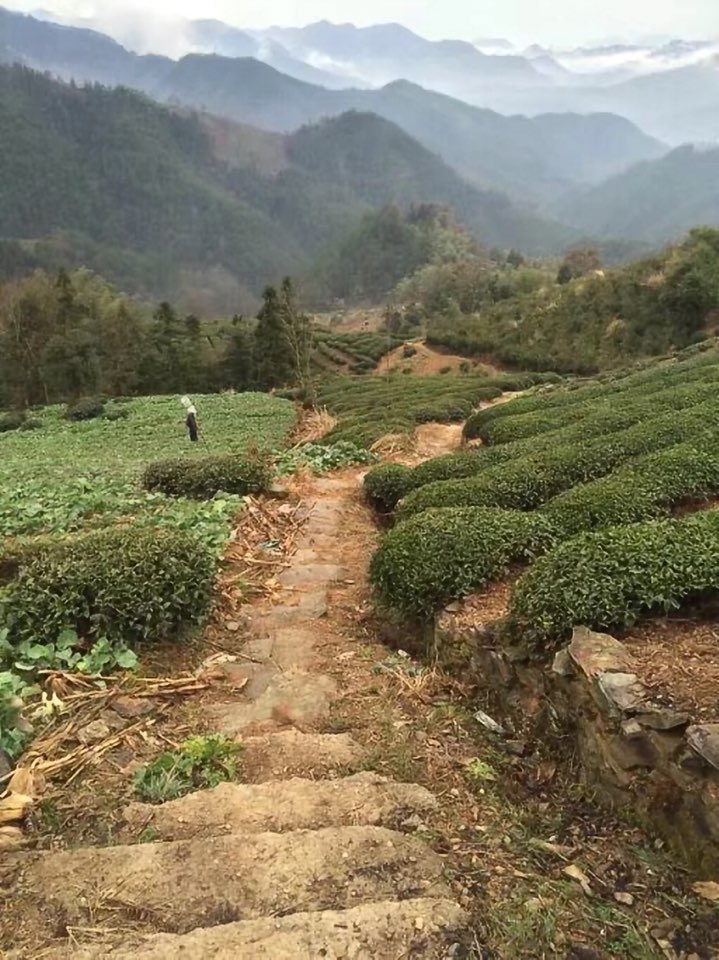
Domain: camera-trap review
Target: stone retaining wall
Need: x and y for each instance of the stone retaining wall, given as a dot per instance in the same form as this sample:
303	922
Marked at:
640	754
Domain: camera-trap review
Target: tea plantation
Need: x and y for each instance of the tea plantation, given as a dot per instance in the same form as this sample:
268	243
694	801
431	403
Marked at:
369	407
111	529
579	484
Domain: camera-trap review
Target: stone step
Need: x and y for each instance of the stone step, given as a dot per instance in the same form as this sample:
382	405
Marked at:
290	753
179	885
423	929
302	699
363	799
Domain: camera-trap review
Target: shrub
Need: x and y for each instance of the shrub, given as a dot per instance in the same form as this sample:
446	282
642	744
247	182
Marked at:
386	485
199	763
643	489
32	423
13	420
454	412
117	413
444	554
409	351
527	482
202	479
121	584
612	577
86	408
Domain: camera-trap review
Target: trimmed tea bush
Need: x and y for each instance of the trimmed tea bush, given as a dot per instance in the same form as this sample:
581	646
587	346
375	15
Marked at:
444	554
645	488
13	420
123	584
386	485
86	408
202	479
537	413
528	482
612	577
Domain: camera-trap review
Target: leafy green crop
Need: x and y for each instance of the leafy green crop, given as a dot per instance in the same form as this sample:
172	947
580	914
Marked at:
200	762
69	475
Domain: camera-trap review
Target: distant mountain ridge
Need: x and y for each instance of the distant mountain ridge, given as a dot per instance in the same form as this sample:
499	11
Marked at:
533	158
171	204
655	201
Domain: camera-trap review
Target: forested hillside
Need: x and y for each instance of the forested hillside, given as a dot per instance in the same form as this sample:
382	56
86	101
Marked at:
597	320
534	158
109	179
654	201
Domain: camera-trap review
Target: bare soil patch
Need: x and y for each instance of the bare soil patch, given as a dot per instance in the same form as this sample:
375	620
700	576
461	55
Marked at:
679	659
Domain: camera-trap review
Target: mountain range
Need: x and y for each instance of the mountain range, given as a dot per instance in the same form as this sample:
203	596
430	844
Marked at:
205	177
492	74
656	201
534	159
171	203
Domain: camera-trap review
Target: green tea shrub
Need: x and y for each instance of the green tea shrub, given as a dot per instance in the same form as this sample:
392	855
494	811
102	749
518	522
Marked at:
645	488
444	554
545	411
117	413
529	481
385	485
123	584
86	408
13	420
203	478
612	577
32	423
454	412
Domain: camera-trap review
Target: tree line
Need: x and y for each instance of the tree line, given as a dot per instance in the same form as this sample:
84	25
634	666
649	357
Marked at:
69	335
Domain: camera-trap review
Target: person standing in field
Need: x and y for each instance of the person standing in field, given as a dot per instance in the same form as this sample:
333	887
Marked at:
191	419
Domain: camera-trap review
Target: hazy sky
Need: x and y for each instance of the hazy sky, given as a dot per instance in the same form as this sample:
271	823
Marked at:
549	22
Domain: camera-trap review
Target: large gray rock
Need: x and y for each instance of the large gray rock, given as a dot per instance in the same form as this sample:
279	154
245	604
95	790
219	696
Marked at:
596	653
704	740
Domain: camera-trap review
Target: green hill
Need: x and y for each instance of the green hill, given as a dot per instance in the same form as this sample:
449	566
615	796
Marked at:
166	203
599	320
654	201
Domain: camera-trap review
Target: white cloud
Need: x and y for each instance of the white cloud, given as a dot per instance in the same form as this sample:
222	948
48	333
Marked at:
554	22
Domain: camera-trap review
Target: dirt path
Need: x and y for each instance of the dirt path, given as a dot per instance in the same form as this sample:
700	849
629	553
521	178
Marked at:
376	818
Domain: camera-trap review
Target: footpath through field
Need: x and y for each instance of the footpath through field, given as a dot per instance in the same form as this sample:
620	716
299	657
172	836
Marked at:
314	855
373	821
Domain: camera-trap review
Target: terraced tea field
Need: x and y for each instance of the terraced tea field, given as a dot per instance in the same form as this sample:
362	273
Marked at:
583	485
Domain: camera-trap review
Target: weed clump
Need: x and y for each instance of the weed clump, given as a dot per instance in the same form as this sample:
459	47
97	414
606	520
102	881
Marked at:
199	763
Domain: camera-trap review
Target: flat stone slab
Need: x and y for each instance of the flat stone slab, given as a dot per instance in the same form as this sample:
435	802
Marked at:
293	647
311	606
291	698
312	575
184	884
596	653
381	931
365	799
288	753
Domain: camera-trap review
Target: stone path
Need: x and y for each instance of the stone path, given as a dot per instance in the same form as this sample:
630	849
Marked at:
312	866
